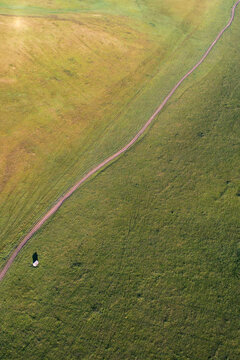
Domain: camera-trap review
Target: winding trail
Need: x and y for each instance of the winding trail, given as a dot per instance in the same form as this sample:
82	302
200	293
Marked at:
114	156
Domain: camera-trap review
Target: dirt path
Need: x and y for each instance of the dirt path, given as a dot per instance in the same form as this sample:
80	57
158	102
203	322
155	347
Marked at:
114	156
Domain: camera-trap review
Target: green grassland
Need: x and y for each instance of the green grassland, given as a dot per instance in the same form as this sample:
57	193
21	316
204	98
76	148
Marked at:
70	98
143	261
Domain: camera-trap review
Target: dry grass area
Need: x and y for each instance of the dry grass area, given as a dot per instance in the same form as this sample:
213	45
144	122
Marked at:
52	71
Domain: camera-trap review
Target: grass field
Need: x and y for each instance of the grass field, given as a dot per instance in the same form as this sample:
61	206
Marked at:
61	94
143	261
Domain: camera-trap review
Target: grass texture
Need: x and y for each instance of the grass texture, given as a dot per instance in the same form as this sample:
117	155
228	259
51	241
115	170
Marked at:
143	261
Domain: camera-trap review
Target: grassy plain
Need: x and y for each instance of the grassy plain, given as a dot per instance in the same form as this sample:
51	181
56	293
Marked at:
143	261
75	91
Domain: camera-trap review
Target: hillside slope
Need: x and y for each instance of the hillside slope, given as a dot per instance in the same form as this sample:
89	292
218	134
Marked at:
77	88
143	261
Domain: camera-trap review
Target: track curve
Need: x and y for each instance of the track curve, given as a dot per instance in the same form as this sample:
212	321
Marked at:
117	154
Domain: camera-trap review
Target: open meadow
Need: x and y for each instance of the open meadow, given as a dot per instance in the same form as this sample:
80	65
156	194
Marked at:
143	261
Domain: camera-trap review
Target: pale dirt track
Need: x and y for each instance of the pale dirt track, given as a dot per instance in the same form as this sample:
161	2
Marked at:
114	156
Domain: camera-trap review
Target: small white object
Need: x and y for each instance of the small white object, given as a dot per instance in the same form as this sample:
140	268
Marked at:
35	264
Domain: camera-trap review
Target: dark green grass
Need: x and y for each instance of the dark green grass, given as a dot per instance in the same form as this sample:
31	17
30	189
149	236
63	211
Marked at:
143	261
